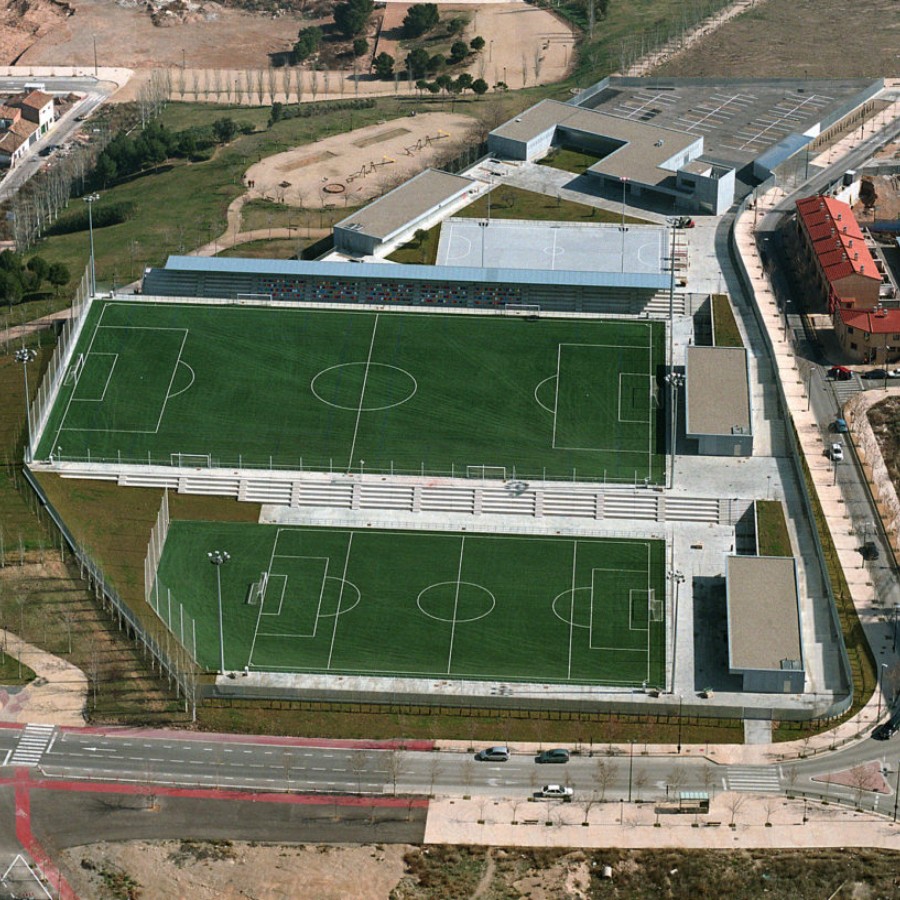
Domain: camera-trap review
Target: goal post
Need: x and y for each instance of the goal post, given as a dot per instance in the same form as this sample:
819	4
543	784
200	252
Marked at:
526	310
74	370
251	298
191	460
495	473
655	606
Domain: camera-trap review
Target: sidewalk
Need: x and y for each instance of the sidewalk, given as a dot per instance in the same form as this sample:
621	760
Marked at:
620	824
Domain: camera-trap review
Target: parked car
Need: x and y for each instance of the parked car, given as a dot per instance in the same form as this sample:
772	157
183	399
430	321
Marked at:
837	452
869	550
875	373
893	373
840	426
840	373
888	729
557	792
558	755
493	754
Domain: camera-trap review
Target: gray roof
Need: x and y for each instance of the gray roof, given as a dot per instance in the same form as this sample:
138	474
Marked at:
404	204
301	268
717	391
763	613
645	148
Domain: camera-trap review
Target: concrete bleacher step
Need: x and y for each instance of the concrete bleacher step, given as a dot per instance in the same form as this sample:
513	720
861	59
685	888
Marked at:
688	509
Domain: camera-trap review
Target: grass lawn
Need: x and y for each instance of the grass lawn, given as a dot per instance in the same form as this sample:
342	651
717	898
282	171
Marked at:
569	160
416	253
514	203
725	329
354	390
422	604
772	537
277	248
265	214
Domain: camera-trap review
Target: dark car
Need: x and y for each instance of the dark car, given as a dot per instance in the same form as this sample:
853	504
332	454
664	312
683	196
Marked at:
553	756
869	550
887	730
875	373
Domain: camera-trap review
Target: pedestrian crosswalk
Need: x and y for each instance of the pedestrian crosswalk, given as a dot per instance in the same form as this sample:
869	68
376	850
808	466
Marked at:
32	745
844	390
752	779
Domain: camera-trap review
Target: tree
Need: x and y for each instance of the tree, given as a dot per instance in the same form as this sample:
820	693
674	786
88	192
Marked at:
360	46
464	82
58	275
437	62
384	66
457	25
308	41
352	16
443	82
605	775
480	87
39	266
276	113
224	130
459	50
10	288
477	43
420	18
417	62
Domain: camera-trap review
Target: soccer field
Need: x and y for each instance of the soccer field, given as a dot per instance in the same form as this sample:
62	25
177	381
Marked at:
352	391
419	604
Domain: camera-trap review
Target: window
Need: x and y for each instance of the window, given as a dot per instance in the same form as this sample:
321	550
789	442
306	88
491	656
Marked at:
852	346
849	329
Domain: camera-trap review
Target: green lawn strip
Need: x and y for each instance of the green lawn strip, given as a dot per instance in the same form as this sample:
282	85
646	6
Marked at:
418	252
12	672
306	414
569	160
422	604
277	248
726	329
588	731
773	538
863	668
258	214
509	202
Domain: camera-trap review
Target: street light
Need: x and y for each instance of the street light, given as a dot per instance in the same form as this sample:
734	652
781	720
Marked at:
91	199
25	356
680	702
218	558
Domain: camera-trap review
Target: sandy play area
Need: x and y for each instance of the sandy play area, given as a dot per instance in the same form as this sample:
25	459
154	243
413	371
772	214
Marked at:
345	170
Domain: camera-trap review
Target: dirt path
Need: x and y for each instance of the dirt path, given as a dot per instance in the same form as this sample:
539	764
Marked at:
487	877
57	696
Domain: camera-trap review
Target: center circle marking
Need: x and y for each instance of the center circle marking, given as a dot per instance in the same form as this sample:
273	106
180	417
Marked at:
485	599
411	387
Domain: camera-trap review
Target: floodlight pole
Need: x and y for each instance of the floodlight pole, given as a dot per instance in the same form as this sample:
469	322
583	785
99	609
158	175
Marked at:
218	558
880	688
91	199
25	356
630	769
680	704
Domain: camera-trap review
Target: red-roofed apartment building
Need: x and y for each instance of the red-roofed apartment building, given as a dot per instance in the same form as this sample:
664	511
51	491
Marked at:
23	121
869	336
836	254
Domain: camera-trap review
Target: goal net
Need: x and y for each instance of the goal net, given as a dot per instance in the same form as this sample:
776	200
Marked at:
655	606
257	592
191	460
522	309
495	472
74	371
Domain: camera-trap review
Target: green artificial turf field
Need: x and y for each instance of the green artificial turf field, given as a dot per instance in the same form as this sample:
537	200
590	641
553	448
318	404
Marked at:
413	603
352	391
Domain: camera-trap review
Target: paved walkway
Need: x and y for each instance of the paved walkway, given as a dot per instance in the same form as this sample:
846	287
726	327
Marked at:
793	823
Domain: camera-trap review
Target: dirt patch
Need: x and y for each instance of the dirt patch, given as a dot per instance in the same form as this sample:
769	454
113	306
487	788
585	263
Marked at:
401	153
379	138
798	38
862	778
226	871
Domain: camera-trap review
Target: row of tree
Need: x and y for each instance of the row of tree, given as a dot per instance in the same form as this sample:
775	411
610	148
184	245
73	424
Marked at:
455	86
20	279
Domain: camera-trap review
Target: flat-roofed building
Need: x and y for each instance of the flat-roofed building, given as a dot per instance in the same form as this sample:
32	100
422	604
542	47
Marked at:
400	212
637	157
717	398
765	645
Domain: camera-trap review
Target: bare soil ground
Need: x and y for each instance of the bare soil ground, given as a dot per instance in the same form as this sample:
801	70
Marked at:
799	38
299	177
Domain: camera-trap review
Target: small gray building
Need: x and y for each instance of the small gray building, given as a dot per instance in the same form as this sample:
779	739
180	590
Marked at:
399	212
635	157
764	641
717	399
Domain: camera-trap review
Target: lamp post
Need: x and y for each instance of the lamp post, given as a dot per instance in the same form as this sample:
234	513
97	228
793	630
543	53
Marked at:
677	579
630	769
25	356
91	199
897	790
880	689
676	381
218	558
680	703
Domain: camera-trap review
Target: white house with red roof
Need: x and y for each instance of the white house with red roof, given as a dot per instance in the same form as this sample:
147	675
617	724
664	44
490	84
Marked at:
24	120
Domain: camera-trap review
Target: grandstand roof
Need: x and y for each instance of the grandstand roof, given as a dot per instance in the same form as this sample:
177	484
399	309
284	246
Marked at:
299	268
